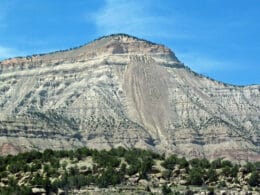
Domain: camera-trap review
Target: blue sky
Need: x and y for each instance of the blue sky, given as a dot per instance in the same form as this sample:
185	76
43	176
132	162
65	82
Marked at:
218	38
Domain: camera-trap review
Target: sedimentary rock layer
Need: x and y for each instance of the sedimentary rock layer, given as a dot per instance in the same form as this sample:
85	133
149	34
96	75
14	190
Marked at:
123	91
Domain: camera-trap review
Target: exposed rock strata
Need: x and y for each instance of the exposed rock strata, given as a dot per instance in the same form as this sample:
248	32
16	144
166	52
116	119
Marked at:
123	91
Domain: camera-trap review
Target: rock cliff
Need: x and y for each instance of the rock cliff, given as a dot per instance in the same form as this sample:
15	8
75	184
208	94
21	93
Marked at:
123	91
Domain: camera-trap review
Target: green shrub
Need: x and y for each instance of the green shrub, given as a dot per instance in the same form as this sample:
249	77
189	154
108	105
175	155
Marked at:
47	154
16	166
170	162
234	171
196	176
254	179
212	175
145	167
250	167
36	165
166	174
211	191
226	171
109	177
103	159
120	151
183	162
24	190
226	163
203	163
216	164
74	170
166	190
133	168
222	184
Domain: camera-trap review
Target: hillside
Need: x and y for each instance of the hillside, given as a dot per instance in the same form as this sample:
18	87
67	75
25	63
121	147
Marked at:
120	171
123	91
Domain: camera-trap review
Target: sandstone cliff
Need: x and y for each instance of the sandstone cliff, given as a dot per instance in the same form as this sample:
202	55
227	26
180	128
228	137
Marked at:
123	91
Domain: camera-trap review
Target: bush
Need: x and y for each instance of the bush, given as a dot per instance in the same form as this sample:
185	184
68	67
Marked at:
122	168
183	162
166	174
76	181
16	190
145	167
103	159
44	183
166	190
226	171
133	168
74	170
47	154
216	164
212	175
50	171
109	177
130	157
226	163
195	162
234	171
36	165
250	167
196	176
254	179
120	151
211	191
16	166
222	184
170	162
203	163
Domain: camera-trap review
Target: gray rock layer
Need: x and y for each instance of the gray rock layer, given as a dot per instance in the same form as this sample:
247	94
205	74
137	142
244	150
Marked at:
123	91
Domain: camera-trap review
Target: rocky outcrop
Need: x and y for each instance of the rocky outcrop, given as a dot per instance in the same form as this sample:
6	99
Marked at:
123	91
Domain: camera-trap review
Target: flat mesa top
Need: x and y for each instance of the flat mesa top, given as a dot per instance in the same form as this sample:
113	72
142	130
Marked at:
107	45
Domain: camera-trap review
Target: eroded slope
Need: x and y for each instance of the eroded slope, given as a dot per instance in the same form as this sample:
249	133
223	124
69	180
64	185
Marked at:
122	91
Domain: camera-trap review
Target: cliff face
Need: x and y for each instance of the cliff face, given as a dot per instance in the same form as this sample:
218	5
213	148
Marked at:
123	91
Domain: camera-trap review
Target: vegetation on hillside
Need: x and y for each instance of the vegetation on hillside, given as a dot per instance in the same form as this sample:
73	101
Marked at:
75	169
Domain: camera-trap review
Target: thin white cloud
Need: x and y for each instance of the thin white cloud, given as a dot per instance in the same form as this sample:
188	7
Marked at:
136	18
140	18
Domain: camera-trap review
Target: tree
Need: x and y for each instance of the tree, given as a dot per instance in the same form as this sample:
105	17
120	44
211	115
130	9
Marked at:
183	162
146	165
103	159
226	171
234	171
74	170
47	154
36	165
196	176
212	175
250	167
203	163
108	177
170	162
133	168
254	179
166	174
166	190
216	164
76	181
226	163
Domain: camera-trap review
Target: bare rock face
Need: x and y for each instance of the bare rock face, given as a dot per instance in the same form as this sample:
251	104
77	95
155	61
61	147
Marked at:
123	91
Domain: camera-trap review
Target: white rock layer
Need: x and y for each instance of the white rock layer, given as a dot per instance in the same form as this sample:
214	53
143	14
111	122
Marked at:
123	91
